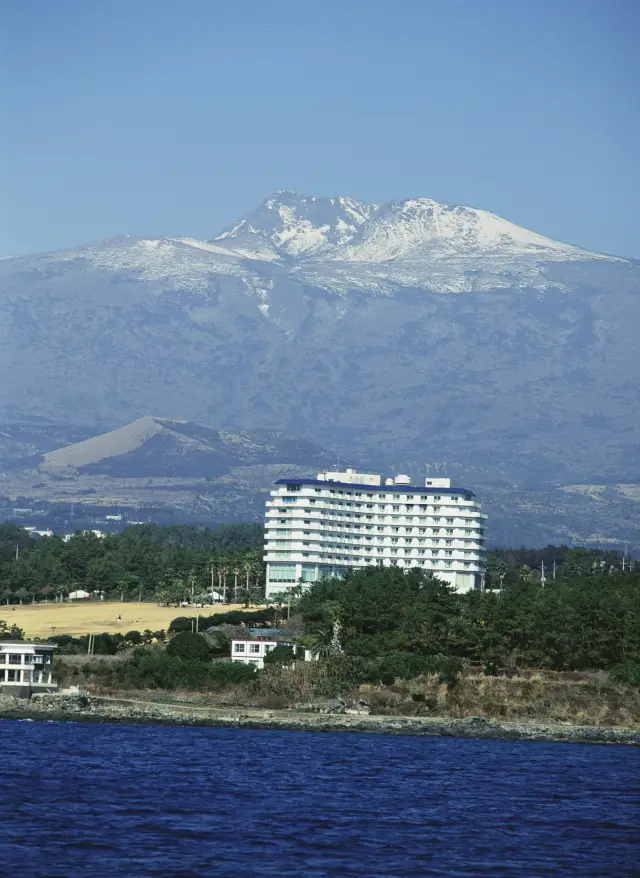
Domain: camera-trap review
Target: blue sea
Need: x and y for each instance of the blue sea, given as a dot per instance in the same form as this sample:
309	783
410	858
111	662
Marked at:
83	799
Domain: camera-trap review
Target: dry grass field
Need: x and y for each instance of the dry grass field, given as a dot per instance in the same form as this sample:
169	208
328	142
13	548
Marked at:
89	617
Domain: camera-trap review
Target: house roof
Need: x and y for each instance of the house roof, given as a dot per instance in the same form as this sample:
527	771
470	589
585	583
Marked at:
276	639
267	632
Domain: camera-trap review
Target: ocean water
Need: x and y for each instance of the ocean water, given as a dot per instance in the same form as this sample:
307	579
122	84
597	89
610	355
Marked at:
84	799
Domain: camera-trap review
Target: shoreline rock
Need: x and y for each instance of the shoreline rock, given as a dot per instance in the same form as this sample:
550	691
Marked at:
89	708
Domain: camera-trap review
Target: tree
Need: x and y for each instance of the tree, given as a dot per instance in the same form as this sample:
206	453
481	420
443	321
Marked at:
188	646
10	632
281	655
133	637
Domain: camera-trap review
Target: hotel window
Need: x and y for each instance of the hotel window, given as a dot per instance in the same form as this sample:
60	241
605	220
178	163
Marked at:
254	647
238	647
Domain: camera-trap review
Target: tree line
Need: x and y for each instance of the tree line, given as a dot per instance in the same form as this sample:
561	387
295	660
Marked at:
144	562
404	621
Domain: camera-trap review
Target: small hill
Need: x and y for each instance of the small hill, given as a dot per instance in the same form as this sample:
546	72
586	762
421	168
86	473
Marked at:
157	447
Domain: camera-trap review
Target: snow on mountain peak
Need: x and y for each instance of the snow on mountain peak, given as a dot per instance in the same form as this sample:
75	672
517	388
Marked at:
298	227
290	225
413	227
338	244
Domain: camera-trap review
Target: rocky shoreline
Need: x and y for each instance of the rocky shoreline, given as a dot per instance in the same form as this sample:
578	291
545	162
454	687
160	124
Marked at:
83	708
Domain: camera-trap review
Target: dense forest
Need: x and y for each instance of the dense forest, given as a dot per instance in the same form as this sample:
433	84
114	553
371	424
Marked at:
403	621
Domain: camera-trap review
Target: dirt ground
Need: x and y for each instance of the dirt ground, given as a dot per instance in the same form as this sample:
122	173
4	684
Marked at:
91	617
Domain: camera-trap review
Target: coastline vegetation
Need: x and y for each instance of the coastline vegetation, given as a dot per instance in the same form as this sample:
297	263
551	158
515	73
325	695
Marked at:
564	647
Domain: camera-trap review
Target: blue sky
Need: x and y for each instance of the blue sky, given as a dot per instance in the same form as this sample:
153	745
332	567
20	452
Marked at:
154	117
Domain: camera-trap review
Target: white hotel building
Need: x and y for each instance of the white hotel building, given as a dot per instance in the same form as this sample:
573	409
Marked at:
341	520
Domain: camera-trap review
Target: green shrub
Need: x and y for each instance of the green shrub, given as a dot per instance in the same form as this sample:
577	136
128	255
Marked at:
133	637
281	655
628	673
103	644
449	670
156	669
407	665
188	646
181	623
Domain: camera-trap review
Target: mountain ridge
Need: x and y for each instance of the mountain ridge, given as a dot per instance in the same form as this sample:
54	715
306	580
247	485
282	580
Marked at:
455	340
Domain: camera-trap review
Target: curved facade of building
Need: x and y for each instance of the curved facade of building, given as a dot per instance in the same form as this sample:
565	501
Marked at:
341	520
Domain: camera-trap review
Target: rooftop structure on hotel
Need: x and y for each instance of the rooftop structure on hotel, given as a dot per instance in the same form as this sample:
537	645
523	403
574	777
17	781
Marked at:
342	520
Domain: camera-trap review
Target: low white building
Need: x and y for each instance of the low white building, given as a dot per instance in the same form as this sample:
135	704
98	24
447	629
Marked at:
252	649
26	667
344	520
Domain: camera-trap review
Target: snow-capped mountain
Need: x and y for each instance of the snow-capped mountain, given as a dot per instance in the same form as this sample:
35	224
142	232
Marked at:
341	244
289	225
413	330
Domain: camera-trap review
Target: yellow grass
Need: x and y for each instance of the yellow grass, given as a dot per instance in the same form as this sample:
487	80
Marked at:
89	617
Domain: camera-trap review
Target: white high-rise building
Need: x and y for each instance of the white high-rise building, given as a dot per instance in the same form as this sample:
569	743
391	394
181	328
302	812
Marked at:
341	520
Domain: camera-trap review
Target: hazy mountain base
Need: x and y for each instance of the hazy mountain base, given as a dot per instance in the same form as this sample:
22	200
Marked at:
519	514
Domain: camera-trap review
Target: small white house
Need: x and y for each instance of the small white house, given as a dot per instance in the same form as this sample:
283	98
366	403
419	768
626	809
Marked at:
252	650
26	667
79	595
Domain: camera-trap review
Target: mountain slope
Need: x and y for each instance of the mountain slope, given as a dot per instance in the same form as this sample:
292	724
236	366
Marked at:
168	468
414	331
157	447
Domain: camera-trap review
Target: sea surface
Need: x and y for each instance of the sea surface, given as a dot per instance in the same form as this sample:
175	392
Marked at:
88	799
